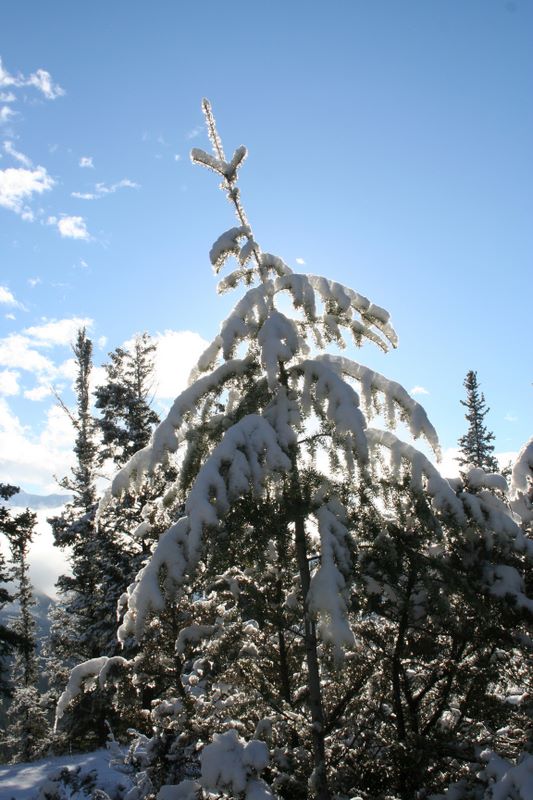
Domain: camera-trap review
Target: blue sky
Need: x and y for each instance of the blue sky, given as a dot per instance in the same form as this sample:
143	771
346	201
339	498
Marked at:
389	148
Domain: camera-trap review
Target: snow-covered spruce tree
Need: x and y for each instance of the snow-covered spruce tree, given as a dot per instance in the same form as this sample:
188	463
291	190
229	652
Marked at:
126	419
476	448
282	481
27	734
83	620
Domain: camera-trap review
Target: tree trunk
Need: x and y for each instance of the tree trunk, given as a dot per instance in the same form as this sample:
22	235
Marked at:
315	694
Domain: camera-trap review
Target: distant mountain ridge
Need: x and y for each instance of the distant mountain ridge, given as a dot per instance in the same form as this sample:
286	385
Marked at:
26	500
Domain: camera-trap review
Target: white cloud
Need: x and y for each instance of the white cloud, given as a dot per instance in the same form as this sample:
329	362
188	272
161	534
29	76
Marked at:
300	261
419	390
72	227
38	393
6	114
7	97
33	282
46	561
18	352
177	157
510	417
10	150
101	189
9	382
86	162
17	185
7	298
58	332
31	460
10	316
40	79
102	341
177	353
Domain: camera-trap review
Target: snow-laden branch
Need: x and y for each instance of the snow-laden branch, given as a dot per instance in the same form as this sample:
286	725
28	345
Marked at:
94	671
246	457
522	484
342	308
347	299
522	477
424	477
393	394
452	497
169	433
326	594
228	244
226	169
341	405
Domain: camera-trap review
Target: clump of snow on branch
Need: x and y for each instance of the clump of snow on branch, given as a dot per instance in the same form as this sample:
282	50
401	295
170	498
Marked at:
326	595
522	484
341	404
229	764
247	455
507	779
85	675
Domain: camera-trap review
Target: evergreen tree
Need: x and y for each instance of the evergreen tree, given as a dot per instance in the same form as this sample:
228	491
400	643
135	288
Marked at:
475	446
8	637
126	419
80	625
103	558
27	734
306	552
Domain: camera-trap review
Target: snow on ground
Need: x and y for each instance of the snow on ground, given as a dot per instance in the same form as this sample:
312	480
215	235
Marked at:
23	781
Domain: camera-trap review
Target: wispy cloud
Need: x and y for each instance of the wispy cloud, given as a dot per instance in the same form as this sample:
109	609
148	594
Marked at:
419	390
71	227
177	157
86	162
192	134
40	80
7	298
510	417
7	97
33	282
101	189
300	261
17	185
16	154
6	114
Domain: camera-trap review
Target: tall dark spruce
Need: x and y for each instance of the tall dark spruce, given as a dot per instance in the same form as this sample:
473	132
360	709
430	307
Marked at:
476	448
8	637
102	558
329	616
126	419
78	620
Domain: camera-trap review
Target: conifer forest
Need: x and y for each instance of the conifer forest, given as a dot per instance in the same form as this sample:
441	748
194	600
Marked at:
278	595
